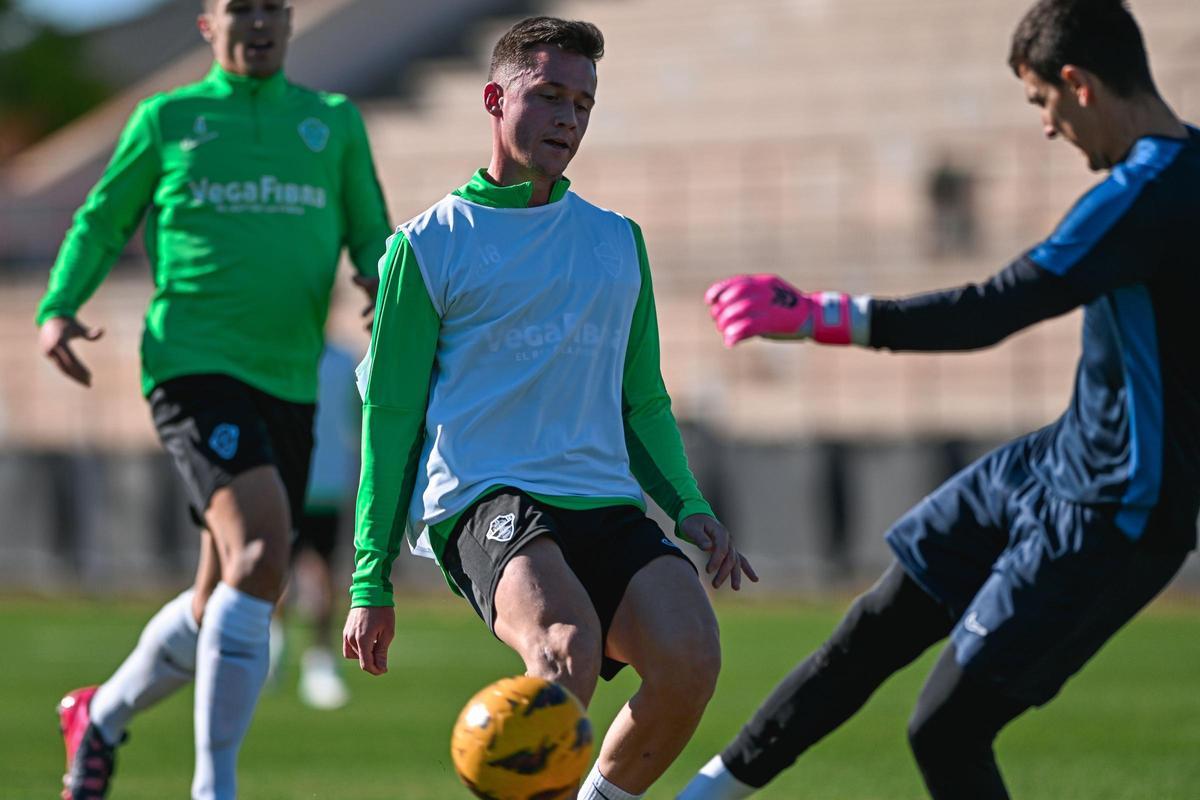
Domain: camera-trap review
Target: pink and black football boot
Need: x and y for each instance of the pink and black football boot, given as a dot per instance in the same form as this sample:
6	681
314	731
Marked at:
90	759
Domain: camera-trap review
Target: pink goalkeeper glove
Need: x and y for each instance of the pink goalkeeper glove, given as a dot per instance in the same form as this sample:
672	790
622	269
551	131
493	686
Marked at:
767	305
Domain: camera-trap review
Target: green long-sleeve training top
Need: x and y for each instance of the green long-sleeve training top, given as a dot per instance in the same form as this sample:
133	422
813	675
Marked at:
250	188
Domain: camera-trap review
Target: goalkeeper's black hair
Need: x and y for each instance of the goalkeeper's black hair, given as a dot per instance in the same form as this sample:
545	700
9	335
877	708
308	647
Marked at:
1100	36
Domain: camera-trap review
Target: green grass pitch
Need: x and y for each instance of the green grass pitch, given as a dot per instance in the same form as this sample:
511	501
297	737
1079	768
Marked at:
1127	727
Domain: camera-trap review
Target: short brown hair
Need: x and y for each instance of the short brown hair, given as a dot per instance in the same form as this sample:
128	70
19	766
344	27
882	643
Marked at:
515	47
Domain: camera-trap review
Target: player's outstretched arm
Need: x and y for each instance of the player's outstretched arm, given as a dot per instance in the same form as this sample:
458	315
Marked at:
368	635
724	561
54	340
1100	246
766	305
965	317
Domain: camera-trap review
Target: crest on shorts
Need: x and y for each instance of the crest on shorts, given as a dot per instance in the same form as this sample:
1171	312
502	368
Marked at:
314	133
224	440
502	528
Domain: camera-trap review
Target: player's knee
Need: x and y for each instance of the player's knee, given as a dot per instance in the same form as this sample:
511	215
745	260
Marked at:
862	634
684	666
264	568
929	738
850	633
260	567
570	652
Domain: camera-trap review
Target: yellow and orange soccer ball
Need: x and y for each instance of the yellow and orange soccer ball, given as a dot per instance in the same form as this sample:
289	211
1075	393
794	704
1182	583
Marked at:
522	738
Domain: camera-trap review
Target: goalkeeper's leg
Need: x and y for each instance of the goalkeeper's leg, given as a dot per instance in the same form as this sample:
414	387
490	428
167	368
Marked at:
952	730
886	628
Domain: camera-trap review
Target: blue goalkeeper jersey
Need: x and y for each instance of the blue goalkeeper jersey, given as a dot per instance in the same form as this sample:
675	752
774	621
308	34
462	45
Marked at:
1129	252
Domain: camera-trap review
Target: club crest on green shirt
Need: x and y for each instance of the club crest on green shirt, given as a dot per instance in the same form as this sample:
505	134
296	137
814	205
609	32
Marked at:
314	133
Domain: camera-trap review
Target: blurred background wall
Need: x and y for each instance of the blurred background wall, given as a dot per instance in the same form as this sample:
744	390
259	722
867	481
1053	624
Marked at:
862	145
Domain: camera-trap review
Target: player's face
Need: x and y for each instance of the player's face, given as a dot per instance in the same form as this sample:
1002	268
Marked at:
544	111
248	37
1063	115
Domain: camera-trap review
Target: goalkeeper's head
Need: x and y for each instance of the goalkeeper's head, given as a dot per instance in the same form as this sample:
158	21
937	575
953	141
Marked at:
1084	64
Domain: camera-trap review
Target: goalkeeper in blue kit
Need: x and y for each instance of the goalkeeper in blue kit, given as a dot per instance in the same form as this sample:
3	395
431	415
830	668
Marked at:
1032	558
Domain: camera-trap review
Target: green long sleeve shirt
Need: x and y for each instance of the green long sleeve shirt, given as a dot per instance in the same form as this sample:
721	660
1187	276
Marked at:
250	188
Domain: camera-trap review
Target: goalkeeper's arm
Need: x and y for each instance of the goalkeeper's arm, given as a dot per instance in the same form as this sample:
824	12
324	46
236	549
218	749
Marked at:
963	318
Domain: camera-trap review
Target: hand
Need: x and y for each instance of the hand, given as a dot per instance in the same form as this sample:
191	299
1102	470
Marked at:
370	287
54	339
367	636
767	305
723	560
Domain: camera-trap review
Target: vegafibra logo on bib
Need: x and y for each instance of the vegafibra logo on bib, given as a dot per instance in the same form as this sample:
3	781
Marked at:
565	335
265	195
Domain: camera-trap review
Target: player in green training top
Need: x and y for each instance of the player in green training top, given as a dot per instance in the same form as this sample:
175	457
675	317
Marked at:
513	405
250	187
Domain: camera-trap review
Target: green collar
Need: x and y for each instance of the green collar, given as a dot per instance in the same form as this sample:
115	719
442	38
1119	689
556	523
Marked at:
482	191
272	86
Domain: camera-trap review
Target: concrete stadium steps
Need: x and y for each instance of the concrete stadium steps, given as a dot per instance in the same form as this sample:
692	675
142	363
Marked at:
798	136
795	136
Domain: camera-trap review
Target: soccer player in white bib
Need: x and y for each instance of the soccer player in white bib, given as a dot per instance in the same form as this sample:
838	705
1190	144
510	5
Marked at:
514	408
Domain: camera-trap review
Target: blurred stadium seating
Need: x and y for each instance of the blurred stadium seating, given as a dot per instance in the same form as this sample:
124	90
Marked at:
863	145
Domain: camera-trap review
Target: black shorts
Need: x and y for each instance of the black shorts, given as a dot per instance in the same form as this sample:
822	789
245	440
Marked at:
215	427
604	547
318	531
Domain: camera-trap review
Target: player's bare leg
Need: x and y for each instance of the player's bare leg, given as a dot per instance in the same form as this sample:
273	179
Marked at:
208	575
666	630
251	525
544	613
314	588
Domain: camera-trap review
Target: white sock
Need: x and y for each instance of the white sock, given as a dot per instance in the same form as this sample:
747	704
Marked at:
163	661
231	667
278	646
597	787
715	782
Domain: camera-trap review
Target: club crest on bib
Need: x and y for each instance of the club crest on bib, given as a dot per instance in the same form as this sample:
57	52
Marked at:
314	133
502	528
224	440
609	258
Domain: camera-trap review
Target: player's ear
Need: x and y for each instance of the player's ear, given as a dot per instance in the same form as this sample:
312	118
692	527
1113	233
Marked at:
493	98
1079	82
204	25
